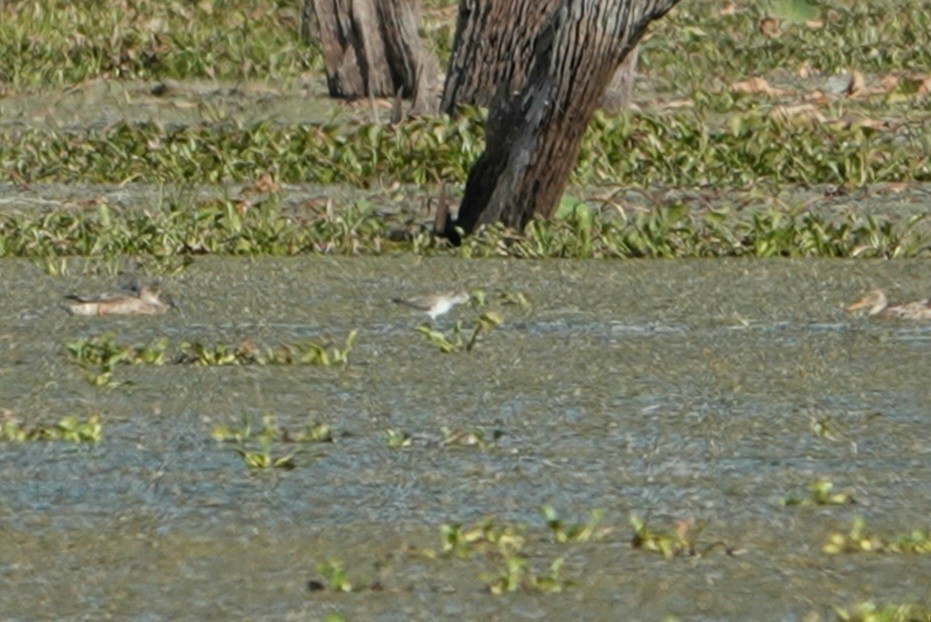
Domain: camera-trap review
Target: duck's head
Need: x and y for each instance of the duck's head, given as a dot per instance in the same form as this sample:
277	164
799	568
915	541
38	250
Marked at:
153	295
874	301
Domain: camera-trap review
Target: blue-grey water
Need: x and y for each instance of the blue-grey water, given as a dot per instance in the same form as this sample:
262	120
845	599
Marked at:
708	391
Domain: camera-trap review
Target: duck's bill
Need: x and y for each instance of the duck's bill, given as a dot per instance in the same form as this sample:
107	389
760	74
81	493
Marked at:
858	304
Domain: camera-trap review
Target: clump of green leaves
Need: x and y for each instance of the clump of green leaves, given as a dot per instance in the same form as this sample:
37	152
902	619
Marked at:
397	439
261	457
870	612
256	444
448	437
504	543
99	356
821	494
579	532
69	429
859	540
313	432
462	542
266	227
460	340
678	231
679	541
335	575
519	576
63	44
469	438
651	149
247	353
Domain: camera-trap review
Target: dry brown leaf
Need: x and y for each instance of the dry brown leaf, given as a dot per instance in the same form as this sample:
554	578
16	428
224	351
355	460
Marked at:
925	87
873	124
677	103
819	98
888	84
801	114
892	187
807	71
769	27
756	85
857	85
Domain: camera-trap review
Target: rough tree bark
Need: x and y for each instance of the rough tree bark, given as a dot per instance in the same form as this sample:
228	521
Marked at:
493	48
534	133
371	48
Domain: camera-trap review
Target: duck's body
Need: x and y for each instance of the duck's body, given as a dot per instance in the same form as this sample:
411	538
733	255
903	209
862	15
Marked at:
146	301
434	305
876	304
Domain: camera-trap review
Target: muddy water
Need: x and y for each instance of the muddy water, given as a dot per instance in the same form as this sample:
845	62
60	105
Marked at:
670	390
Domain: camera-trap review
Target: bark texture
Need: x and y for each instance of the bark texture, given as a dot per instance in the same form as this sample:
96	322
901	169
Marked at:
371	48
534	133
493	49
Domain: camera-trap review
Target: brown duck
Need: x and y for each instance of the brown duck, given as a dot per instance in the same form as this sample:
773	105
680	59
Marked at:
145	300
876	304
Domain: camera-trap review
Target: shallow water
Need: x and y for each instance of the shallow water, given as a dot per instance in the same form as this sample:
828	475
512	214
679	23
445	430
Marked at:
670	390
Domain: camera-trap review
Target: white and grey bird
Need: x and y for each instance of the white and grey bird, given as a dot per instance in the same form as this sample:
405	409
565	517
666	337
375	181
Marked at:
435	305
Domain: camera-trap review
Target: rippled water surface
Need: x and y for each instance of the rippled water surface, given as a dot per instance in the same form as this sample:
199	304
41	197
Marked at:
675	391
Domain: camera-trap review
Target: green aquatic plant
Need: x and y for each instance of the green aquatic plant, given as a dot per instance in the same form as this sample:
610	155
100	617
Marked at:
149	41
460	339
440	339
309	352
397	439
469	438
518	575
504	544
270	429
870	612
821	494
197	353
823	427
580	532
859	540
335	575
462	542
181	229
69	429
99	356
262	457
256	443
688	148
678	542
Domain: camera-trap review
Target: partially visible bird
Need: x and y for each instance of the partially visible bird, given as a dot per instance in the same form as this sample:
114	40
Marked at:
876	304
435	305
144	300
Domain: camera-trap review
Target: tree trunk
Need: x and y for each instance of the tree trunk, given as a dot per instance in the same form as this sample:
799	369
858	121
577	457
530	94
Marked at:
493	48
371	48
534	133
